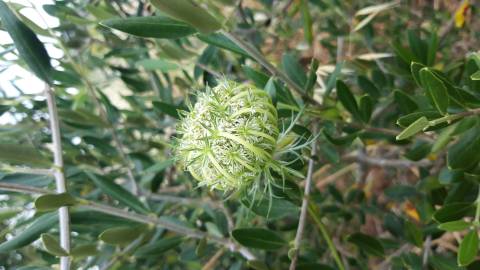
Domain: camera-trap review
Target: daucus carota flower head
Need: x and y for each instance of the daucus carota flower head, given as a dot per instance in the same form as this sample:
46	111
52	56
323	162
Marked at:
229	136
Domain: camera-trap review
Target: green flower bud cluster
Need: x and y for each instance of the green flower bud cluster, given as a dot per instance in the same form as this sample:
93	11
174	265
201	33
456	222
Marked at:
229	136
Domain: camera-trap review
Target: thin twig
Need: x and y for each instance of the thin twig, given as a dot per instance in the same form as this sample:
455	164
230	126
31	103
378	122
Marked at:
333	177
16	169
303	211
64	218
214	260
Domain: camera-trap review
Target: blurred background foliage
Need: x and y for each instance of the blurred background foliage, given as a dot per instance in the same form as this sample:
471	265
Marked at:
392	87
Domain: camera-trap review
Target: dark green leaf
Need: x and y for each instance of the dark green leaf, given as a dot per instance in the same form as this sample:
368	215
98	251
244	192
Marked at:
22	155
468	249
405	102
151	26
464	154
415	69
368	87
258	238
413	233
118	192
347	99
223	42
28	45
452	211
52	246
158	247
166	108
435	90
366	108
121	235
50	202
294	70
31	233
279	208
84	250
187	11
157	64
257	265
368	244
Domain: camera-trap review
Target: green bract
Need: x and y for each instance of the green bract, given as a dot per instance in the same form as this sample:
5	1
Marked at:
228	138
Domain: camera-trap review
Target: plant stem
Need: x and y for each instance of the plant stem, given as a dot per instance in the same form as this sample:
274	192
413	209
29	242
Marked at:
16	169
312	210
60	182
303	211
255	54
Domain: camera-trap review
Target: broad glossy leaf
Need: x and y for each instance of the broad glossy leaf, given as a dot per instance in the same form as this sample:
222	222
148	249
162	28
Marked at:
435	89
22	155
151	26
52	246
187	11
50	202
368	244
28	45
31	233
258	238
119	193
468	248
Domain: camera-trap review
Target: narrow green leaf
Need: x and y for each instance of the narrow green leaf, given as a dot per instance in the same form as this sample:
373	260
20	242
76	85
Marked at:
258	238
187	11
6	214
201	248
28	45
365	108
259	78
417	126
119	193
158	247
271	89
166	108
405	102
52	202
307	22
435	90
257	265
368	87
418	47
293	69
52	246
278	209
475	76
312	77
413	233
223	42
347	99
22	155
84	250
151	27
121	235
432	48
31	233
464	154
368	244
468	249
453	211
453	226
415	69
157	64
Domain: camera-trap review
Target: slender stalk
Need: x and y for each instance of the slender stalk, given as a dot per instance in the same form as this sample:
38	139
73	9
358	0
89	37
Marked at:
255	54
453	117
312	210
303	211
60	182
16	169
